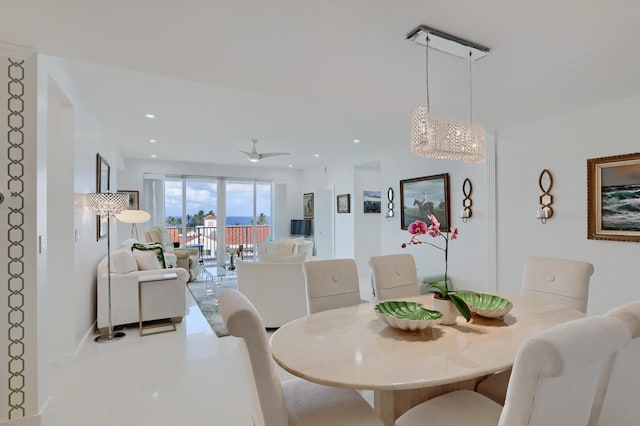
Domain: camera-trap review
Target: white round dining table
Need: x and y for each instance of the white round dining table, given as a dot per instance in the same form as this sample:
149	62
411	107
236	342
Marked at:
352	348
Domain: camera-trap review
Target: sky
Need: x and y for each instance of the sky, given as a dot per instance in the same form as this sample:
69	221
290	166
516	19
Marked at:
203	195
620	175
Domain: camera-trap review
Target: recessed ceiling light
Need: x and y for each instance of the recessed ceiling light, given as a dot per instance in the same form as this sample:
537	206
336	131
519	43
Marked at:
290	165
316	155
150	115
153	156
356	141
153	140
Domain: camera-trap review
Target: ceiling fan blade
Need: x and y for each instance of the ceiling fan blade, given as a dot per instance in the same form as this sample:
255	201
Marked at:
272	154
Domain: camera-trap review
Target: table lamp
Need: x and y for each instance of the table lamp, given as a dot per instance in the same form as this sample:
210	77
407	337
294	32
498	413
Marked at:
108	204
133	217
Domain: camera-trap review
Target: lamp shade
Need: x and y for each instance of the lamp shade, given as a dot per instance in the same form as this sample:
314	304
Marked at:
133	216
107	203
435	138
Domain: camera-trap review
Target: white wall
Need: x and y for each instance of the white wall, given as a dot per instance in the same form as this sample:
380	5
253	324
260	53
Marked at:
468	256
562	144
130	177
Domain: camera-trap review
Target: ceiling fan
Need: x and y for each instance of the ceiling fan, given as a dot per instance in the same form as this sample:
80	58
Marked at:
254	156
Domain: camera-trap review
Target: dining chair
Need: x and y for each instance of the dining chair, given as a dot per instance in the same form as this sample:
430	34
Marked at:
556	280
331	284
394	276
294	402
616	400
555	376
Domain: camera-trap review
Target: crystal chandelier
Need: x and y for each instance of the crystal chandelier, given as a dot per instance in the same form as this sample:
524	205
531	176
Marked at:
432	137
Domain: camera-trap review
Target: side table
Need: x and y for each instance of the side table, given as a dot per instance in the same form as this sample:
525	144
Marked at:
151	279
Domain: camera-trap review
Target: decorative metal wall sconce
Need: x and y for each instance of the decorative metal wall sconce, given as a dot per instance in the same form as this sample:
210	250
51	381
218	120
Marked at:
390	212
466	212
545	181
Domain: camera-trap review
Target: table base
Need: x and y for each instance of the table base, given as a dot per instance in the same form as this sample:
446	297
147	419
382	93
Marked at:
391	404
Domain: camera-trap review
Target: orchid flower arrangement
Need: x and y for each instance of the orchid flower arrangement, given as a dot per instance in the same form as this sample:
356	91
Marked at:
418	228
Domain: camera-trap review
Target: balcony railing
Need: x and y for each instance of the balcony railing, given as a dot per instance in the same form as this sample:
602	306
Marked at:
205	238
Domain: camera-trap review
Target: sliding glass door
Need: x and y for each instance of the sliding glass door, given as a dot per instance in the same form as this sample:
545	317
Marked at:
217	215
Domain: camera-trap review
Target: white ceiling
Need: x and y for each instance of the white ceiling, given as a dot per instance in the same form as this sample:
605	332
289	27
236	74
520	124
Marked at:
310	76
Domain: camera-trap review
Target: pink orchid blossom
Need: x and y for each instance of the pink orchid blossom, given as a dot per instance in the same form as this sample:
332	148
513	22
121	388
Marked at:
418	227
434	222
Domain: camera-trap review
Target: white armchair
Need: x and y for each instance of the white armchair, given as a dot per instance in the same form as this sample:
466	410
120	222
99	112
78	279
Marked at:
186	258
162	297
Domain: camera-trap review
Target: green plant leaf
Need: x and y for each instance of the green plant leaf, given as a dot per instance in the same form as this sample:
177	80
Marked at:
461	305
437	287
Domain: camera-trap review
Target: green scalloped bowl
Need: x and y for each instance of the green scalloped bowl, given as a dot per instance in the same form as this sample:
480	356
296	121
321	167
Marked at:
407	315
486	305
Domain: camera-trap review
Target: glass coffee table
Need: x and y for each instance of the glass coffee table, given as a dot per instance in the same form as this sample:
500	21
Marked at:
216	278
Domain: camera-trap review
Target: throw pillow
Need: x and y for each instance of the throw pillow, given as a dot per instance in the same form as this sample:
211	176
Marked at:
147	260
305	248
286	249
291	240
270	258
155	248
123	262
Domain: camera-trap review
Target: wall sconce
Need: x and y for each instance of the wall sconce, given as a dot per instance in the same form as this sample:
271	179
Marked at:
390	212
545	181
466	212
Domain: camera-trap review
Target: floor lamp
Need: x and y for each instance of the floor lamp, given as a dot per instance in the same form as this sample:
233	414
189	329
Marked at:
108	204
133	217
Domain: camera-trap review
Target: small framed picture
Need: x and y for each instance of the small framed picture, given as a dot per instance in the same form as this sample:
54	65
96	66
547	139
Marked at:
371	202
613	192
134	199
344	203
307	205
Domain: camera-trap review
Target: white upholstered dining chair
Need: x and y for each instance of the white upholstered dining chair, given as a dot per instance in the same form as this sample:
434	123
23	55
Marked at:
555	376
331	284
616	401
394	276
294	402
558	280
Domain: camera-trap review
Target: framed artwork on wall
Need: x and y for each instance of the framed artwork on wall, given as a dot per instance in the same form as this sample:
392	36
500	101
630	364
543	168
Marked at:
423	196
371	201
103	179
344	203
134	199
613	185
307	205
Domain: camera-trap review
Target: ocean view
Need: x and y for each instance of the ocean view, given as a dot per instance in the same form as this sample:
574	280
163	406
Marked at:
621	207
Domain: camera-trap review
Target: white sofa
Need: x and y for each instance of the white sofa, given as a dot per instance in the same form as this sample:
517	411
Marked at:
288	250
161	298
277	290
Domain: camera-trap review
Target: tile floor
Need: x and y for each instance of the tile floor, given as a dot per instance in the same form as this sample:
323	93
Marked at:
188	377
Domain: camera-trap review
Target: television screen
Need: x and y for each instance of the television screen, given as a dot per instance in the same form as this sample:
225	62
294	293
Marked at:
300	227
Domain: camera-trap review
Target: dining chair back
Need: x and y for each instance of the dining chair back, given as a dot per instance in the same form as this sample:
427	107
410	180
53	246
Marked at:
555	376
559	280
394	276
295	402
615	402
331	284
